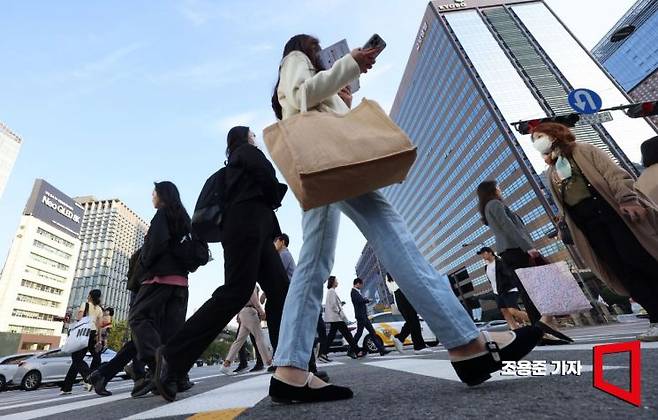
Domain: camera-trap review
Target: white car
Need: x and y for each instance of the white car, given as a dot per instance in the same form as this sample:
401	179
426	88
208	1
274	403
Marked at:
48	367
387	325
8	367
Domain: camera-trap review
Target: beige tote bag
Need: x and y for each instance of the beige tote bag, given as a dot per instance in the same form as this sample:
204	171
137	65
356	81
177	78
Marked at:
326	157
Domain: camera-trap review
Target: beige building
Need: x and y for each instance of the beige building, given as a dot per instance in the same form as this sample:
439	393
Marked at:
10	145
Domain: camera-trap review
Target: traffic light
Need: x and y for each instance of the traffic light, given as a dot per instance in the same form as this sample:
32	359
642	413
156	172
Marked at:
645	109
525	127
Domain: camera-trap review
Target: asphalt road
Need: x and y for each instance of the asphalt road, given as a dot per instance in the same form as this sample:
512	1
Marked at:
396	386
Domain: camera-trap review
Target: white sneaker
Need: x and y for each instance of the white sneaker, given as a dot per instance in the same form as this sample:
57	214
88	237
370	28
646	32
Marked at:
398	345
88	387
226	370
651	334
426	350
65	393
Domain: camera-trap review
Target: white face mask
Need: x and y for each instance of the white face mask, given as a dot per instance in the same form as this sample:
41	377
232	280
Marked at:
542	142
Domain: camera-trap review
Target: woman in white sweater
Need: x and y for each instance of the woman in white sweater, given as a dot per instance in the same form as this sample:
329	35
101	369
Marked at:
474	355
334	315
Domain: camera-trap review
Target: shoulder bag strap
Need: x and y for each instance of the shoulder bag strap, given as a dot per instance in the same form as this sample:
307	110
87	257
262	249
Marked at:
86	312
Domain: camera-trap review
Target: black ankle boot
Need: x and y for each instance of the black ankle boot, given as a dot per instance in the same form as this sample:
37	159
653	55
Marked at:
164	380
282	393
478	369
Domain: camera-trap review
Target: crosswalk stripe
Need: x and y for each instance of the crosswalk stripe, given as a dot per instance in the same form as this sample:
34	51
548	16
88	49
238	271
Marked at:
46	411
238	395
442	369
566	347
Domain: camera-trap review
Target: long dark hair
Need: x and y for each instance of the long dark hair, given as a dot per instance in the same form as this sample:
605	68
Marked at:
237	136
95	295
331	281
486	192
649	152
307	44
177	217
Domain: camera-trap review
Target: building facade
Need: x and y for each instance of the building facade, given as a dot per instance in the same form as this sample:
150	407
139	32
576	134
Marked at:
633	61
38	273
111	232
373	273
10	145
476	67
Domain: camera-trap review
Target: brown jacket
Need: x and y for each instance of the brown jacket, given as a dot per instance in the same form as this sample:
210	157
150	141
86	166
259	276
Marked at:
616	186
648	182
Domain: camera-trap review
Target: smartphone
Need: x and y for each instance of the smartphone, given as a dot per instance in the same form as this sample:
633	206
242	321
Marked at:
375	41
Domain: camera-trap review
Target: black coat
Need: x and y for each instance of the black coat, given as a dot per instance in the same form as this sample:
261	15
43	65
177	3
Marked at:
136	272
157	256
359	302
252	177
506	278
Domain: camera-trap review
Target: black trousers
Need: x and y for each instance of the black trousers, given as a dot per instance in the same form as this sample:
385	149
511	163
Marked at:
342	327
78	364
321	330
364	323
616	245
249	257
158	312
411	322
514	259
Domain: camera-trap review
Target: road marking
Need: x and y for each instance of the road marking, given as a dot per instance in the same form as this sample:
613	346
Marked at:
239	395
48	411
567	347
442	369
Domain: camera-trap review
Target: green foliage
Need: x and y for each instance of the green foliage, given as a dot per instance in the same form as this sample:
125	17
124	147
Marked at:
119	334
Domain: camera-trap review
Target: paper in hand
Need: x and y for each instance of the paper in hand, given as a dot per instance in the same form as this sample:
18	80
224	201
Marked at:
333	53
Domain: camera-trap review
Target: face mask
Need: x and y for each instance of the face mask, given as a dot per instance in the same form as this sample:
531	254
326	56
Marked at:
542	143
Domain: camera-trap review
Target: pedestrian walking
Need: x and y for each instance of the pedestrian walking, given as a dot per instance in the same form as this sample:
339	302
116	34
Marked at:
614	227
281	244
503	283
249	319
411	324
243	356
159	308
300	74
334	315
361	314
249	226
647	183
518	251
92	309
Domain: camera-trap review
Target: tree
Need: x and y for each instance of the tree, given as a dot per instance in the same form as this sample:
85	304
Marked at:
119	334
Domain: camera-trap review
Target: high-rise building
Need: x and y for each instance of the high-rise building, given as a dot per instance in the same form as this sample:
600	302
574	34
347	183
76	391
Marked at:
373	273
38	273
10	144
632	59
476	67
110	233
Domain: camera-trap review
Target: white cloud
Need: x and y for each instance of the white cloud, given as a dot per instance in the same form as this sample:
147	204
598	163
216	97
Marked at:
107	61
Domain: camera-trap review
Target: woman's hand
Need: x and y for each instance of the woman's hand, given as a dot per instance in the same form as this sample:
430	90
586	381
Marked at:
346	95
634	211
365	58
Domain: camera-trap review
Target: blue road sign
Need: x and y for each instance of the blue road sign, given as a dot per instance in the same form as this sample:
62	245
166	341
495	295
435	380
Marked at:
585	101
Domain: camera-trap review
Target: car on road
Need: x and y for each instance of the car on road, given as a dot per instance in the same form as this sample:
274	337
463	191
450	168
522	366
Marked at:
8	367
47	368
387	324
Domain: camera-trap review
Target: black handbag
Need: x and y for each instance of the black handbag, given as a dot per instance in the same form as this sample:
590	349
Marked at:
209	208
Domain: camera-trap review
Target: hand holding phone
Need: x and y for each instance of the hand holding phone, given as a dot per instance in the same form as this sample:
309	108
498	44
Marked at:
375	42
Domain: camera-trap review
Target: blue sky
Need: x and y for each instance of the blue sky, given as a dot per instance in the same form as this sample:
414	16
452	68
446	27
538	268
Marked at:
111	96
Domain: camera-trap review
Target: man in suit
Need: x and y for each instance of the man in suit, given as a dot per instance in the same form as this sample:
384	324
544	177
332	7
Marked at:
361	315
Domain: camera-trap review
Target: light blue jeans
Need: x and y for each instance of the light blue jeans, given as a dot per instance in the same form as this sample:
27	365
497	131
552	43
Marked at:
428	291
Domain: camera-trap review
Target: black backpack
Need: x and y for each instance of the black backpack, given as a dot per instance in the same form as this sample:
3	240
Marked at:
210	206
192	252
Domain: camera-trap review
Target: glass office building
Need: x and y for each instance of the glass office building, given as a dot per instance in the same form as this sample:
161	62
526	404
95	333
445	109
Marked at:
633	61
476	67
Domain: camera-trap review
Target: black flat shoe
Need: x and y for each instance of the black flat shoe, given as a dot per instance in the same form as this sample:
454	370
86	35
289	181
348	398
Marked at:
552	331
142	387
184	386
98	381
478	369
322	375
257	368
164	381
282	393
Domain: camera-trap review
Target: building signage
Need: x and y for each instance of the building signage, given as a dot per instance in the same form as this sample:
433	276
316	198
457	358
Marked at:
457	4
50	205
421	35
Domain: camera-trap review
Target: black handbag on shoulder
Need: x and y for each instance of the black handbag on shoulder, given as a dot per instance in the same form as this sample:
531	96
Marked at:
209	209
